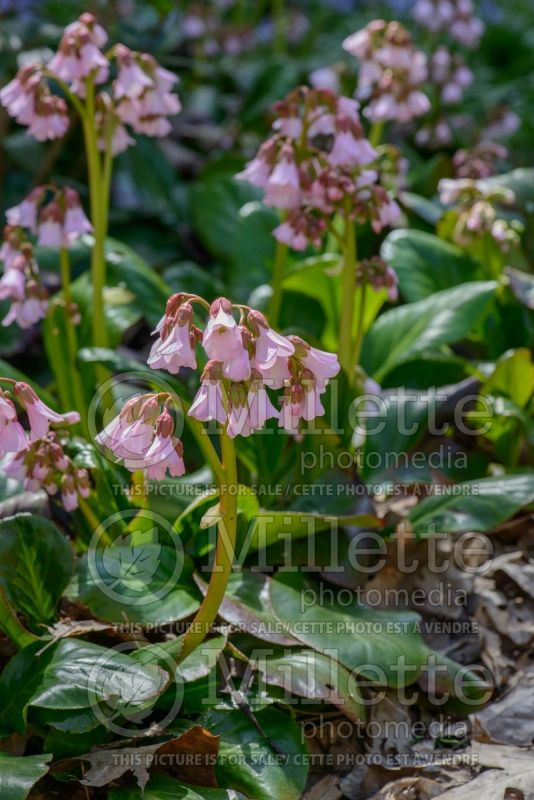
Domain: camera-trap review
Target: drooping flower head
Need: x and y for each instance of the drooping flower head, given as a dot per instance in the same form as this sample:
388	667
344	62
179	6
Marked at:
20	280
247	360
454	17
391	72
319	163
141	95
38	459
476	213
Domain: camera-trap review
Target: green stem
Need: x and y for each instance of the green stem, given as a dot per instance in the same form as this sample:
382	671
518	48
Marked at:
62	378
360	326
348	297
277	10
72	340
93	521
376	132
279	263
208	451
224	553
11	625
99	192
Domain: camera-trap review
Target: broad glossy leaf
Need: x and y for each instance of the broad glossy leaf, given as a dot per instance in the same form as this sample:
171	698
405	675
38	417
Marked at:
474	506
246	760
145	583
162	787
370	642
394	422
36	563
426	264
75	676
522	285
253	250
512	377
402	333
320	278
315	677
247	605
520	181
215	205
19	773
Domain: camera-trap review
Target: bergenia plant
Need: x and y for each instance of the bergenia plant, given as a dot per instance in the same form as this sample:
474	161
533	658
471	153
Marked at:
112	92
246	362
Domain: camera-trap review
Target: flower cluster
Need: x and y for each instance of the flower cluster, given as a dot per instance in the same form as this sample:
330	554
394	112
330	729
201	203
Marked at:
318	163
479	161
455	17
29	101
477	218
56	223
450	75
20	281
246	358
37	459
142	435
391	72
57	219
380	275
140	95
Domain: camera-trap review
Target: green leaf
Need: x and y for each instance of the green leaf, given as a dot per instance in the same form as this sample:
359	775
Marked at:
522	285
369	641
35	565
247	605
402	333
146	583
247	761
520	181
475	505
316	678
512	377
127	269
215	206
387	441
320	278
162	787
426	264
76	676
253	250
19	773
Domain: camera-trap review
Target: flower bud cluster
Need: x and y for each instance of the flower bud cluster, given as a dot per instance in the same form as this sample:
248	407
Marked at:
477	209
379	274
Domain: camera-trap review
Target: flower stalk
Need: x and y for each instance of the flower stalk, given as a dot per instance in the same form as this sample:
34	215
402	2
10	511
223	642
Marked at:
72	339
279	263
224	553
348	297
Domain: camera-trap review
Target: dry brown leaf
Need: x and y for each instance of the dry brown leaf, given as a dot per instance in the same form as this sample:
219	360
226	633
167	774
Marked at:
326	789
509	720
189	757
515	771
